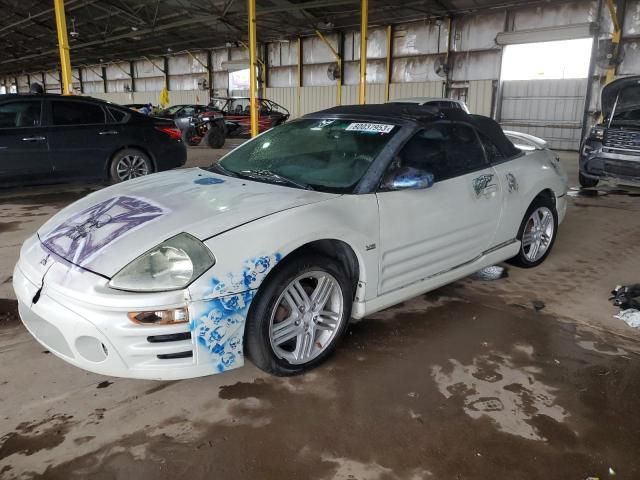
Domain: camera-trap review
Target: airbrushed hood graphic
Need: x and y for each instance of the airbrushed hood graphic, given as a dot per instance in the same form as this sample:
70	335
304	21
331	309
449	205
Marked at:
107	229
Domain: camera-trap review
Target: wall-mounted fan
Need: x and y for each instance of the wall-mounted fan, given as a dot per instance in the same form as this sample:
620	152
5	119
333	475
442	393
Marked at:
440	66
333	71
606	56
203	84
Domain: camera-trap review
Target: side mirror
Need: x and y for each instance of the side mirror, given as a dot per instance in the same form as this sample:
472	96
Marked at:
411	179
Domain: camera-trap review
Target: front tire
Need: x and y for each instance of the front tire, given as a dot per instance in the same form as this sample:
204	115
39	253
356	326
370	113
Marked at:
299	315
587	182
537	233
130	163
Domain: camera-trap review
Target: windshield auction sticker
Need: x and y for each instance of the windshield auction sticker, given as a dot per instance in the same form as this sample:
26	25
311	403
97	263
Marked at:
370	127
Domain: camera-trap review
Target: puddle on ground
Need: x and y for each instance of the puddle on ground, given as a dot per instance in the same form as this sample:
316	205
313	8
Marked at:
462	390
586	192
12	226
30	438
54	199
8	312
487	274
595	192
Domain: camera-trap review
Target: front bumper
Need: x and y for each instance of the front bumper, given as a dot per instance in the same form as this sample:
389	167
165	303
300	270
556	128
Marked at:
597	161
561	207
79	319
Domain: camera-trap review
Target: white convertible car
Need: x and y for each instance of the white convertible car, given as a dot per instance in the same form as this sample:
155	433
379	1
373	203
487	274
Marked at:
270	252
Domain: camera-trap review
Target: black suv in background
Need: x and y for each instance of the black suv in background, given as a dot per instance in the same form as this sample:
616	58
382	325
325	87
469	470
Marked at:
612	149
49	138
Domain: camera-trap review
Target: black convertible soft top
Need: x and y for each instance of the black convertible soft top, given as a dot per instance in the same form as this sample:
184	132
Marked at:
426	114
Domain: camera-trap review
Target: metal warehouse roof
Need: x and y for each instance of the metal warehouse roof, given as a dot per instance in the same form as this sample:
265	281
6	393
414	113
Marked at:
110	30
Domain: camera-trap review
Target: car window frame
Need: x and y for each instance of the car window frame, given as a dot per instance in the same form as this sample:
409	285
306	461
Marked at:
111	120
50	113
421	129
22	100
505	159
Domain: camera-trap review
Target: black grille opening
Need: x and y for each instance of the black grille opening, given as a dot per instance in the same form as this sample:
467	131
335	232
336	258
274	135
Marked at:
623	139
171	337
169	356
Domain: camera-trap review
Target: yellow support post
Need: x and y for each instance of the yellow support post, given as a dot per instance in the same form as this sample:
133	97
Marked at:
63	46
251	9
339	62
615	39
364	20
389	53
299	106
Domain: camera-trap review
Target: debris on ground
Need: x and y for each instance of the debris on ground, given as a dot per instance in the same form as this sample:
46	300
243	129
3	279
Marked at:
494	272
627	297
538	305
630	316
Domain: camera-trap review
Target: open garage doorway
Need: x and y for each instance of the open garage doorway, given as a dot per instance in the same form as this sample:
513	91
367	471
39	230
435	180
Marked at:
544	86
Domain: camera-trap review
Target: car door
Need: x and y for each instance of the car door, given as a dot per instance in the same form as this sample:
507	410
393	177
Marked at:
80	139
24	146
430	231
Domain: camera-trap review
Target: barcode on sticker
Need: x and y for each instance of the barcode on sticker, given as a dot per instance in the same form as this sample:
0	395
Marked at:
370	127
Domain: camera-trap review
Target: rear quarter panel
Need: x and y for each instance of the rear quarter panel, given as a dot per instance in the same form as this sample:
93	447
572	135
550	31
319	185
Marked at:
523	179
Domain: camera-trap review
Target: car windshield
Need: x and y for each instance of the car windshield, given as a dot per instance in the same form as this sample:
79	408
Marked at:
323	154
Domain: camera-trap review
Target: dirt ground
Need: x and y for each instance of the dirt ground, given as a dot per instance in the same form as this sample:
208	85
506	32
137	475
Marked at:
523	376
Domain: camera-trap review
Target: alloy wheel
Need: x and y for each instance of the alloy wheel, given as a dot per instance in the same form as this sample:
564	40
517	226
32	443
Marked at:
131	166
538	233
306	317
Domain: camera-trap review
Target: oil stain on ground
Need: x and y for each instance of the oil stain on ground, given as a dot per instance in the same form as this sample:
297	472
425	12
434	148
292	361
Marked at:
472	390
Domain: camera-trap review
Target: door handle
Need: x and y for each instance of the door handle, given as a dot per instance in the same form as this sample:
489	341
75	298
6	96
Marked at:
108	132
34	139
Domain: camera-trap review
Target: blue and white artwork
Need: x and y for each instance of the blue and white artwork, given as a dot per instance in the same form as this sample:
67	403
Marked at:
84	234
208	181
218	324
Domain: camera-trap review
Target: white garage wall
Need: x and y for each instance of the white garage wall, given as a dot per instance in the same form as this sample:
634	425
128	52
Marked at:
550	109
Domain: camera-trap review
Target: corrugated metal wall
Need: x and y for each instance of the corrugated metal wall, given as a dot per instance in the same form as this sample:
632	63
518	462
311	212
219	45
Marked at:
480	97
549	109
417	49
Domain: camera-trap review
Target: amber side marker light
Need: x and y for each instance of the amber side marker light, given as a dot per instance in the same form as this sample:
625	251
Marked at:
160	317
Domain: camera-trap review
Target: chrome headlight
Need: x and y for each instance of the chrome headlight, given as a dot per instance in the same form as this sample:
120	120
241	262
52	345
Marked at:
172	265
597	133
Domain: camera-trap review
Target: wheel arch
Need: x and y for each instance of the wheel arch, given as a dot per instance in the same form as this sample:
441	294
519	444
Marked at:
334	248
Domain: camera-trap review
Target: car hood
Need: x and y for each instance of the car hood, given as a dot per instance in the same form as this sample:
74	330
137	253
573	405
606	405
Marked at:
610	92
107	229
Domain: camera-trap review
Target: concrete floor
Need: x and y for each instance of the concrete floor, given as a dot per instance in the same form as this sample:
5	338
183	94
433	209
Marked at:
467	382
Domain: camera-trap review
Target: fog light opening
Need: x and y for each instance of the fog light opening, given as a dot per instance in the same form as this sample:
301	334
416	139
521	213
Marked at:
160	317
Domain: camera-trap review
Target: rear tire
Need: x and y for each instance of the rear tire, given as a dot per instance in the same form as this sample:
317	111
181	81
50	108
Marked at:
129	163
587	182
298	315
215	136
537	233
190	138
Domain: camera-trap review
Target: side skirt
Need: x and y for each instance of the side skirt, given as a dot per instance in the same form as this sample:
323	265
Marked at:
495	255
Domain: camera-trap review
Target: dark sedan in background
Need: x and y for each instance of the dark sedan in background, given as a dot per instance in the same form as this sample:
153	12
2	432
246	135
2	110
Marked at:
49	138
